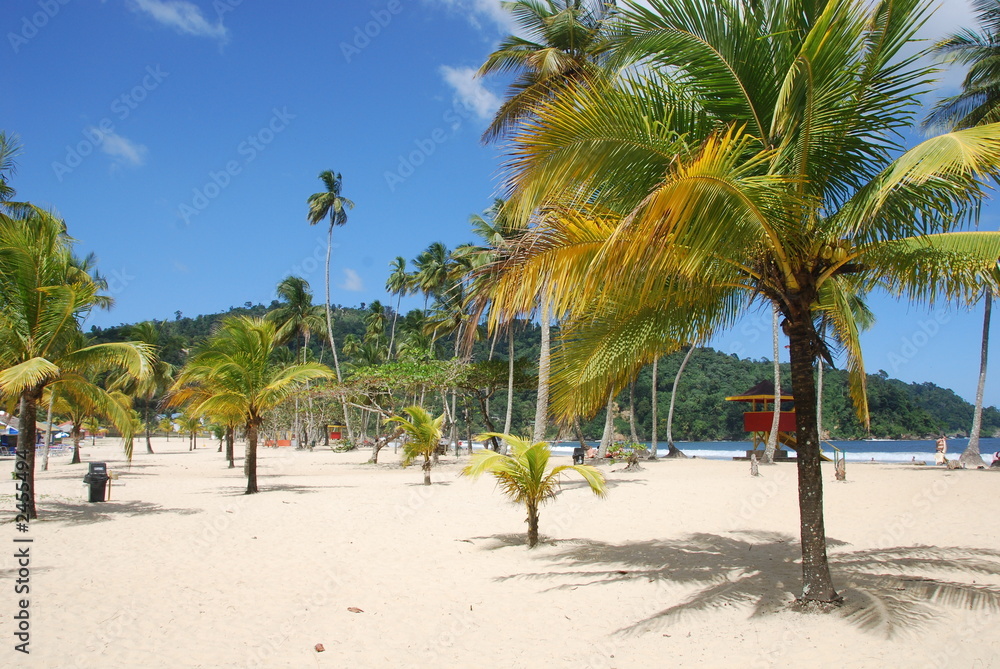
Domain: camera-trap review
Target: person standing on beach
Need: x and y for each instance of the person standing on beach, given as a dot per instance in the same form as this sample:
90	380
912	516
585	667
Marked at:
941	449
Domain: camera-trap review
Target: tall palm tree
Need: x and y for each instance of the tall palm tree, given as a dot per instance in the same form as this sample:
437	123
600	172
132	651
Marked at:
43	295
747	159
234	374
331	204
423	436
399	283
155	384
978	102
524	476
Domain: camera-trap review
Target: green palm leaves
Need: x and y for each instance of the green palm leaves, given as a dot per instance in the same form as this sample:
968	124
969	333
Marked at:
423	435
524	476
234	379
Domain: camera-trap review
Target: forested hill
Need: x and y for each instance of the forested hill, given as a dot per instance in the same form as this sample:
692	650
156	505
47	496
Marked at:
898	409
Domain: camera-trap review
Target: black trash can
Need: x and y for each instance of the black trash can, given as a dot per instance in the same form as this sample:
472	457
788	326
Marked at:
578	454
97	480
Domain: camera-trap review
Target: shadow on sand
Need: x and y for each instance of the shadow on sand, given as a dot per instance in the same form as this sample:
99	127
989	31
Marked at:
888	592
86	512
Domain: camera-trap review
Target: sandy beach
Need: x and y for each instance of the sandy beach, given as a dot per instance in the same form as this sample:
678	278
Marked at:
686	563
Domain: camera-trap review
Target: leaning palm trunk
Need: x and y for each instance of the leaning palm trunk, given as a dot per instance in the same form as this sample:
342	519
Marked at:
653	443
772	437
329	334
631	412
609	427
971	456
673	451
48	435
510	383
542	404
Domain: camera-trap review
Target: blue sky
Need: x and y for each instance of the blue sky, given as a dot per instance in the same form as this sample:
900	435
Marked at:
180	141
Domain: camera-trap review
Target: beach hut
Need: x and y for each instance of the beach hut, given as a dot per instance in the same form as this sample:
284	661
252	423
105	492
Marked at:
757	421
335	431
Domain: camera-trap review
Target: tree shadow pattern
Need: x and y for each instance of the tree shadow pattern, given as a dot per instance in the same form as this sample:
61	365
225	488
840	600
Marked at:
888	592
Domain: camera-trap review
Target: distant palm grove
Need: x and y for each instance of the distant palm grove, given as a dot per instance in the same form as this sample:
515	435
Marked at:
898	409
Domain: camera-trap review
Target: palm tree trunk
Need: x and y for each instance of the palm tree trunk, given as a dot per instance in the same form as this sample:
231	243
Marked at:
251	459
532	524
329	334
673	451
510	381
48	434
772	437
427	469
24	465
542	403
145	418
653	443
609	427
77	436
392	335
229	445
631	411
817	585
970	456
819	397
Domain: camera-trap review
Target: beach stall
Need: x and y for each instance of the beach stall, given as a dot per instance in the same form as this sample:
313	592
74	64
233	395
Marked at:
335	431
757	421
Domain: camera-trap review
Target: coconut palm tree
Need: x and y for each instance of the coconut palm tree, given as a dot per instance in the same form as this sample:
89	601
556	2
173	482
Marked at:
423	434
234	374
748	158
44	293
82	401
524	476
191	424
399	283
154	385
331	204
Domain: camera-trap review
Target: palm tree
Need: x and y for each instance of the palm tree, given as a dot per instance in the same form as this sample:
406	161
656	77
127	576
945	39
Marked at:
81	401
152	386
978	102
423	436
772	437
717	175
233	375
43	294
562	44
331	204
191	424
524	476
297	316
399	283
673	451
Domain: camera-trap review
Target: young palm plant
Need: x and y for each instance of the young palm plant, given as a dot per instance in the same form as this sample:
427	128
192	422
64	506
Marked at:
423	435
524	478
234	374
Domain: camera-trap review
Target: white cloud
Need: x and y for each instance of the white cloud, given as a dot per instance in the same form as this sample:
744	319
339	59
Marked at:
352	281
478	11
124	151
470	91
183	16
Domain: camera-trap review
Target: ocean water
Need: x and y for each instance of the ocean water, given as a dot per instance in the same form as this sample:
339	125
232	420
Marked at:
887	451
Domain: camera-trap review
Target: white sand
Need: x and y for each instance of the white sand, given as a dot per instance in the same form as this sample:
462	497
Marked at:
182	570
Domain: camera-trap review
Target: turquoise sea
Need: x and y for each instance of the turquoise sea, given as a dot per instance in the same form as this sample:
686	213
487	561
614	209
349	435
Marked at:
855	451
